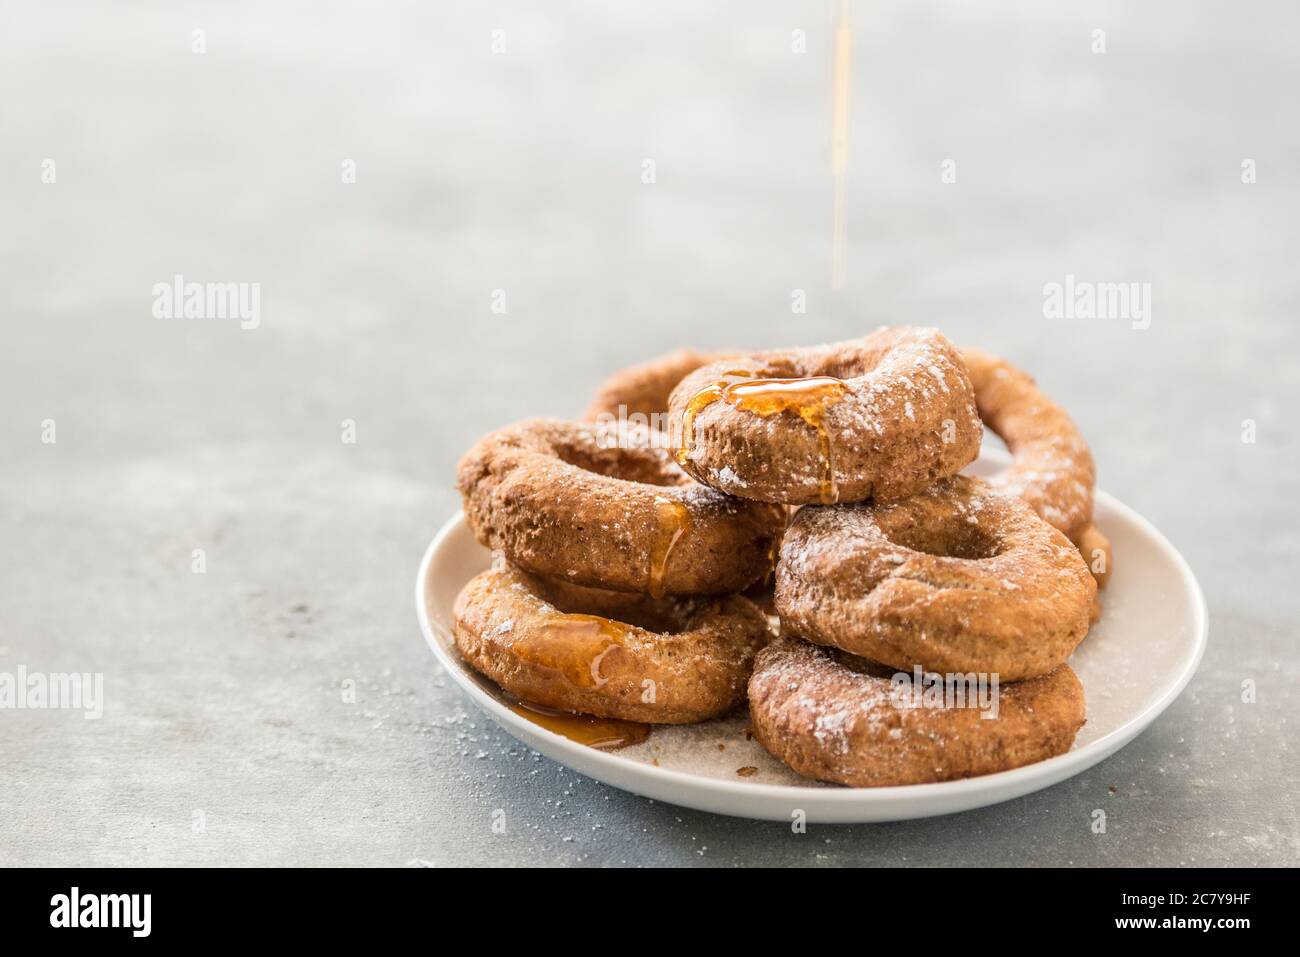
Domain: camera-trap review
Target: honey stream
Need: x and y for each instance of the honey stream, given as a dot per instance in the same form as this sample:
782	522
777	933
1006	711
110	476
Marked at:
841	84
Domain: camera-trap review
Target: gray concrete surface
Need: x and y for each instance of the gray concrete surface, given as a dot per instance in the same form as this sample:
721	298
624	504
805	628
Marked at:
225	738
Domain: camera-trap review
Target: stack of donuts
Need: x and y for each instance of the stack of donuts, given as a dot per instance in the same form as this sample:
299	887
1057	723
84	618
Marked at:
634	548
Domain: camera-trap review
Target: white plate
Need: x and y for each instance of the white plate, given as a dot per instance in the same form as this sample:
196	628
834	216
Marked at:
1133	664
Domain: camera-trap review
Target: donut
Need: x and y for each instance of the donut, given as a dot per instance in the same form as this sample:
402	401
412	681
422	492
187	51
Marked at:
836	717
661	661
643	389
1051	466
959	577
880	417
610	509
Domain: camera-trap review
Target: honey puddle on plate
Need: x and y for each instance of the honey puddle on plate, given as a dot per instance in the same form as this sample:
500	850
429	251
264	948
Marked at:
606	734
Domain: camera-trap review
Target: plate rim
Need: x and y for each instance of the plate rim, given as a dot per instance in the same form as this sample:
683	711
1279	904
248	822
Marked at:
841	802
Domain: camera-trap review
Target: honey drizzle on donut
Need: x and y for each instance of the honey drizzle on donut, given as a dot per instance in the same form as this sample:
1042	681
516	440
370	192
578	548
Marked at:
573	645
807	397
605	734
674	521
705	397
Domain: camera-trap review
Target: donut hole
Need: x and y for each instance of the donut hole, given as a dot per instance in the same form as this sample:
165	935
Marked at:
853	365
630	465
991	440
957	539
663	616
666	616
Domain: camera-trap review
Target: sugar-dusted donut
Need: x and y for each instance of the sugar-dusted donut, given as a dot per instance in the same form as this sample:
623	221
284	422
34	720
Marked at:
836	717
665	661
610	509
959	577
1051	467
879	417
643	389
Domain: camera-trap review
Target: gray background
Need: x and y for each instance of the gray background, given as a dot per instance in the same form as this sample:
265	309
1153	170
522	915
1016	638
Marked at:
521	171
